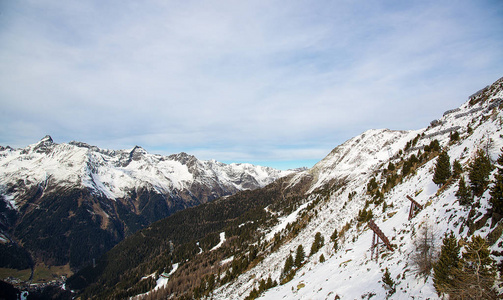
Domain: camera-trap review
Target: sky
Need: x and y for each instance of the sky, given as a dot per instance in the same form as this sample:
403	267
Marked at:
275	83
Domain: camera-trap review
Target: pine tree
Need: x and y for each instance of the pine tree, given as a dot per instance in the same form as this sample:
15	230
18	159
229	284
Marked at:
442	169
299	256
334	238
407	166
464	194
445	269
288	266
497	189
470	277
269	283
317	244
480	169
454	136
388	283
434	146
477	277
457	169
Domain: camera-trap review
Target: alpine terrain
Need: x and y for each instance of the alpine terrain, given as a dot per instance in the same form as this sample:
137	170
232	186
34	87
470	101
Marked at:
69	203
387	214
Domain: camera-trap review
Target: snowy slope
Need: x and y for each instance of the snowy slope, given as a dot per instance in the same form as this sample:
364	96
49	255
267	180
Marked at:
350	273
360	155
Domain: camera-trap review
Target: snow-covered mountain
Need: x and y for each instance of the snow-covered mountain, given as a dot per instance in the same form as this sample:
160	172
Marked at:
116	191
114	174
349	272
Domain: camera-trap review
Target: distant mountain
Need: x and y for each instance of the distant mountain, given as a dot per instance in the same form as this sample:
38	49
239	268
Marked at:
70	202
244	246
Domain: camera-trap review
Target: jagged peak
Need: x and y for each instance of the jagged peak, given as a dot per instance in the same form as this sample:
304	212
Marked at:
44	145
138	149
46	139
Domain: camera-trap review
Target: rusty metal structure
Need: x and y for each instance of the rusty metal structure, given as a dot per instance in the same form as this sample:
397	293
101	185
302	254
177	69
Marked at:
413	206
378	235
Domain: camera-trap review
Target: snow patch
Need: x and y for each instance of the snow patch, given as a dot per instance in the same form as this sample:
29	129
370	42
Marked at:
283	221
222	240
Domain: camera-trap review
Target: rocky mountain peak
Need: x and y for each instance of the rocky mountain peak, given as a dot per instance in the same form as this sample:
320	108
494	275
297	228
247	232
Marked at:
136	153
44	145
47	139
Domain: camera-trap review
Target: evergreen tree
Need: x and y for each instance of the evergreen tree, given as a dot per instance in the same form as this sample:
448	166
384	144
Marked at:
476	280
464	194
269	283
454	136
469	129
497	189
372	185
480	169
299	256
471	277
442	169
407	165
288	266
262	286
457	169
434	146
445	269
317	244
388	283
334	238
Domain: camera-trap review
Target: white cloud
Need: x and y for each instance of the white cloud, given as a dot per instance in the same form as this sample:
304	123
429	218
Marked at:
217	75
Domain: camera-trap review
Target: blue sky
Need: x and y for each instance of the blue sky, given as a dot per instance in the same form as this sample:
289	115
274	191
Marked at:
278	83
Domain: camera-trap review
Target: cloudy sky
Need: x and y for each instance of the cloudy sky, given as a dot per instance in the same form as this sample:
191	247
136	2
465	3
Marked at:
276	83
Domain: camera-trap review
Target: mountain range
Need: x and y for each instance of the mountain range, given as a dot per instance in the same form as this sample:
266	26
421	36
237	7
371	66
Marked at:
71	202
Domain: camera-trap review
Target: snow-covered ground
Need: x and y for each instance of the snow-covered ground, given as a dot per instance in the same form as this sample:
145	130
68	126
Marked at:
349	272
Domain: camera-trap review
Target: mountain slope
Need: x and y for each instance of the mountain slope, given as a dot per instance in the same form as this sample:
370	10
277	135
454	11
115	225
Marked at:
349	272
58	198
368	177
238	246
